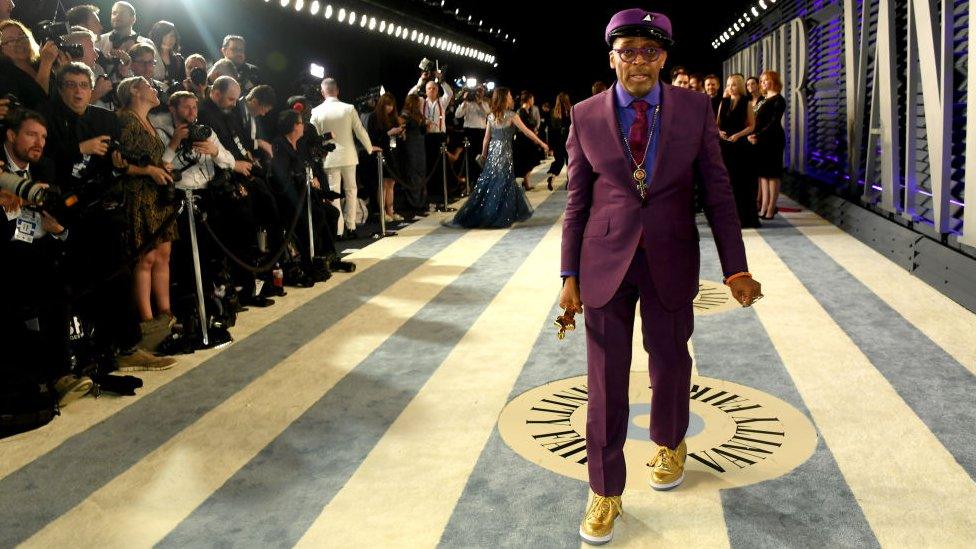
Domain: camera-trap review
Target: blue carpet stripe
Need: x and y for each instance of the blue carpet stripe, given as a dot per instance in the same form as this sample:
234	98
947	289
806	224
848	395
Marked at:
775	513
273	499
937	388
64	477
508	501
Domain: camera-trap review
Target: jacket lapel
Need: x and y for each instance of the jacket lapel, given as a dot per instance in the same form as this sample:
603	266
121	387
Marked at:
667	120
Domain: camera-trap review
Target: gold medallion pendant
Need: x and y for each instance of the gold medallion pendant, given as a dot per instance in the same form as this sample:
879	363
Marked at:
640	175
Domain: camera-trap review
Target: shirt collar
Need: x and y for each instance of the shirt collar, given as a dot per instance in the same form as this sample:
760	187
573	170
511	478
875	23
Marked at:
11	164
624	99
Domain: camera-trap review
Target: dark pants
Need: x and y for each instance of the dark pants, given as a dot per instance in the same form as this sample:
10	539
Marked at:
435	186
609	333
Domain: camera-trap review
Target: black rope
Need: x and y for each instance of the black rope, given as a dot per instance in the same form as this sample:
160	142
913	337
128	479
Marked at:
265	267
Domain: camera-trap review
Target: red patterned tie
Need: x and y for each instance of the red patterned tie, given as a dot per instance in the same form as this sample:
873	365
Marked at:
638	131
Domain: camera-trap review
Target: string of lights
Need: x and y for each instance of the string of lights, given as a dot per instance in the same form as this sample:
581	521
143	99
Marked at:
755	12
494	32
370	23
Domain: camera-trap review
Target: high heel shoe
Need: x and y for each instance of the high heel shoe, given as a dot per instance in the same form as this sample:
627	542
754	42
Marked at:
549	182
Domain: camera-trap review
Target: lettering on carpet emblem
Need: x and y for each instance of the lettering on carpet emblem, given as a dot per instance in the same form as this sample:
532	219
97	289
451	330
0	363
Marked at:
713	298
736	435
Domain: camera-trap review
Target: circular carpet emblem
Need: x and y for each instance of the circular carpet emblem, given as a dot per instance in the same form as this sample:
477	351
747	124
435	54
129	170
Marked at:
713	298
736	436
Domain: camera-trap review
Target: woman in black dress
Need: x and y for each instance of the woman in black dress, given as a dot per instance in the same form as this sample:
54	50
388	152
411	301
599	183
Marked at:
384	128
558	133
527	155
735	123
414	157
769	140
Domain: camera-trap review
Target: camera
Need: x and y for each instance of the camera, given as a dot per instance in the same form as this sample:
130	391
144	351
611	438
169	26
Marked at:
426	64
26	188
320	146
199	132
54	31
198	76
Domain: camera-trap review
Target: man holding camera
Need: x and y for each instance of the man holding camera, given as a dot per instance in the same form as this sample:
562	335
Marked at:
474	111
342	121
435	114
123	19
32	273
193	149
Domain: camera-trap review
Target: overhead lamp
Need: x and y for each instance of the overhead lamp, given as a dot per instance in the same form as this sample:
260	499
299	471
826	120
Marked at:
352	18
284	3
316	7
342	15
299	5
316	70
328	11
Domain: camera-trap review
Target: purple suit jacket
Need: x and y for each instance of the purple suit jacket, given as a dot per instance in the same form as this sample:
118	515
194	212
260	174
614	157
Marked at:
604	220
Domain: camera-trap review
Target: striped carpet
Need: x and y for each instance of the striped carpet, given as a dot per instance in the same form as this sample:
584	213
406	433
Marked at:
365	412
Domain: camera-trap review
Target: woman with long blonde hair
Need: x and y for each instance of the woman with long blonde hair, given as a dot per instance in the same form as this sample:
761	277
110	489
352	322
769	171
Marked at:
496	201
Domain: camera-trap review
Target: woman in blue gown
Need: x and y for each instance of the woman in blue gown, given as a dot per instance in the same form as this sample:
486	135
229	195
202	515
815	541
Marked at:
496	200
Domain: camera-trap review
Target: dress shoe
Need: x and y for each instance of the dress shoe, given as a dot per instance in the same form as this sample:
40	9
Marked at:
342	266
597	526
668	467
549	182
257	301
350	234
142	361
70	388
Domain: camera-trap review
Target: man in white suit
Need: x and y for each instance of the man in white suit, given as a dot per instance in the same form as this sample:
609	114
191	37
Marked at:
340	165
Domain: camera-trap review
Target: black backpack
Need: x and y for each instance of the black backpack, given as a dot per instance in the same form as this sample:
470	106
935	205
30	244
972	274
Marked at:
24	406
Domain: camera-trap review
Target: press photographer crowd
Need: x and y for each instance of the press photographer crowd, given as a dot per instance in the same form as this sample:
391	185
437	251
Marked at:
132	175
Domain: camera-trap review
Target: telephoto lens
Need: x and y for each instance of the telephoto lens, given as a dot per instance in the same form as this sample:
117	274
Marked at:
26	188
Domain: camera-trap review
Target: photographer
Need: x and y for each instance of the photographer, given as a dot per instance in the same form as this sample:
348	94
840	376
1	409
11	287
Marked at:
143	58
81	137
25	69
196	76
234	49
86	15
192	149
474	111
434	109
35	297
259	102
148	187
83	37
170	66
291	165
123	19
255	209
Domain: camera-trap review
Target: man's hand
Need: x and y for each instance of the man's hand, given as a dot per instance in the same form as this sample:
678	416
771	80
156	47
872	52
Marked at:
243	167
50	224
753	139
180	133
102	88
376	149
569	298
745	290
315	183
10	202
266	147
206	148
96	145
50	52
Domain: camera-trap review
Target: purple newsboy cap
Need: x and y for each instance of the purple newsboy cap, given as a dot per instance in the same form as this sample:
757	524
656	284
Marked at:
639	22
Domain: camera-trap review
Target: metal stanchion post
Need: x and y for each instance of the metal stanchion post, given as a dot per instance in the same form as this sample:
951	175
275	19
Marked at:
380	194
308	206
198	275
209	338
467	172
446	207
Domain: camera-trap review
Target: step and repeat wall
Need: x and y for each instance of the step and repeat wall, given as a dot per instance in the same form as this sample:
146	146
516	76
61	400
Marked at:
878	97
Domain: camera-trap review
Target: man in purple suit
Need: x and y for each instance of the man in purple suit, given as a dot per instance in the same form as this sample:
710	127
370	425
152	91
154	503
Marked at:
636	152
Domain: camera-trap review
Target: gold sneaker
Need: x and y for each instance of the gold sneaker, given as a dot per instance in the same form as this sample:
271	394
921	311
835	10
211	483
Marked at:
668	467
597	526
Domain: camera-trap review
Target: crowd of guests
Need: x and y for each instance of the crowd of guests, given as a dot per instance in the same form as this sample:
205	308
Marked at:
108	132
749	114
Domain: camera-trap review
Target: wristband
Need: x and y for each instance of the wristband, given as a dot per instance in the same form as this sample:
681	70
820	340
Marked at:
737	275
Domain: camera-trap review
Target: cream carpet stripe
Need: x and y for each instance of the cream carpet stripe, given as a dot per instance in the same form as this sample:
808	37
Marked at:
950	325
146	502
411	482
23	449
913	493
